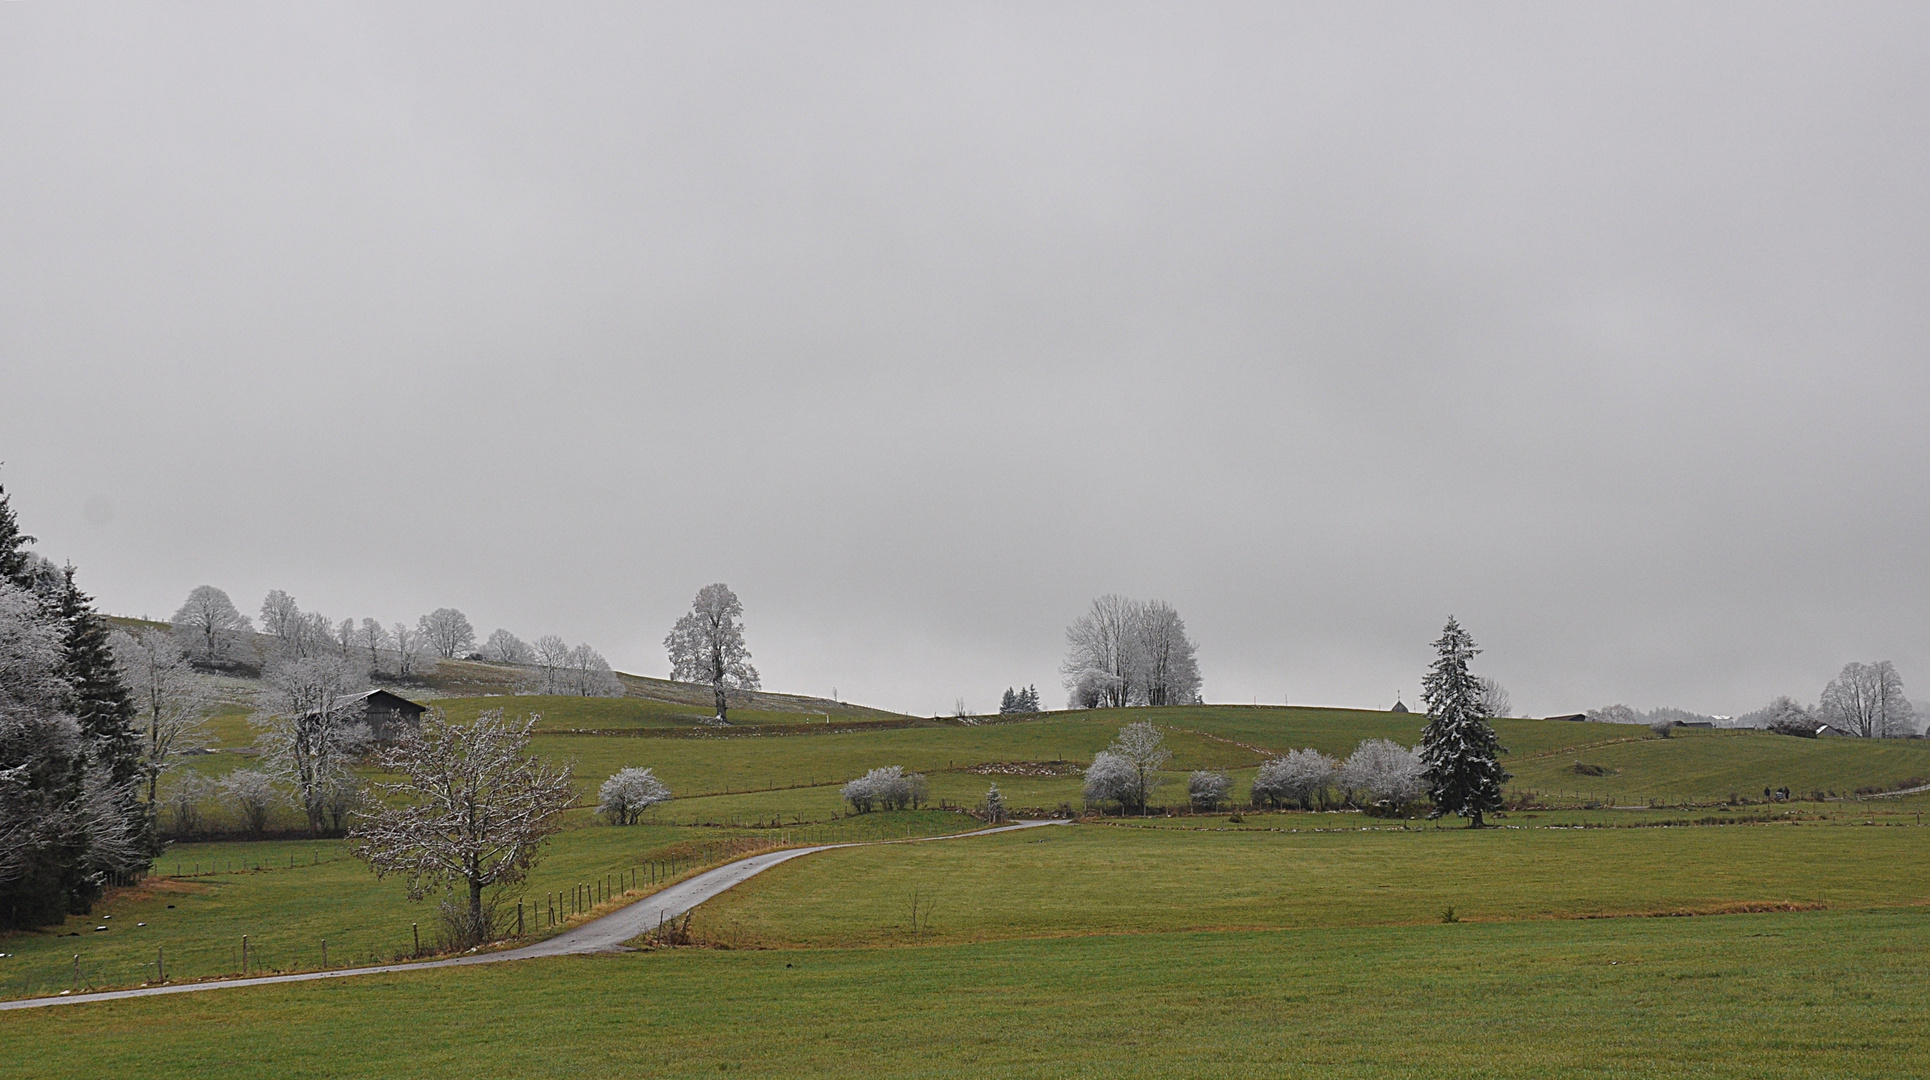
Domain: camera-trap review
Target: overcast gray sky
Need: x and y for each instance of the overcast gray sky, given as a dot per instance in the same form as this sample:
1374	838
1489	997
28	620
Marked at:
922	325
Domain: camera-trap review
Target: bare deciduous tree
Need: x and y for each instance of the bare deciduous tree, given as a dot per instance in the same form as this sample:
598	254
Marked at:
1494	698
1169	669
707	646
411	652
552	662
446	632
375	639
312	726
209	622
345	638
281	621
472	812
589	675
172	701
1124	652
1102	653
1868	700
628	793
504	647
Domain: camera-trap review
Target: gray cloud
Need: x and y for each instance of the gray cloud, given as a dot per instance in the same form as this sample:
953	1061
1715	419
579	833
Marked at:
1603	330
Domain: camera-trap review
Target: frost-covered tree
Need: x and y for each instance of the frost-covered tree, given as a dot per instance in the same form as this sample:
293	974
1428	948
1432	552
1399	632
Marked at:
312	724
1206	789
373	637
628	793
70	815
1126	652
1299	778
412	655
171	701
1102	653
345	637
471	812
1111	778
1784	716
707	646
446	632
1614	714
888	788
42	763
1458	746
1868	700
1127	771
281	623
1385	772
995	810
208	623
589	675
552	663
1168	663
1009	702
253	796
504	647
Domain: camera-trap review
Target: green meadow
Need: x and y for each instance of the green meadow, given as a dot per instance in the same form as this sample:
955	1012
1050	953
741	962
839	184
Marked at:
1749	997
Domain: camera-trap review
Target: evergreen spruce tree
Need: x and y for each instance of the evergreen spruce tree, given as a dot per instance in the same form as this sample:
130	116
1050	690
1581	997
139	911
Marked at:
1458	746
13	545
1010	702
1031	702
102	703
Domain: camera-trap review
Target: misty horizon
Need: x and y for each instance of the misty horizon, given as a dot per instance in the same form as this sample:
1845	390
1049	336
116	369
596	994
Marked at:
1600	330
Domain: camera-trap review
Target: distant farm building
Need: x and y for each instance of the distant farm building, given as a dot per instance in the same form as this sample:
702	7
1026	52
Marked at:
1575	716
389	716
1398	706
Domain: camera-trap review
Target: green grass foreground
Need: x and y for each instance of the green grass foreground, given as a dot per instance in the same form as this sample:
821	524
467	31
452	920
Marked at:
1754	997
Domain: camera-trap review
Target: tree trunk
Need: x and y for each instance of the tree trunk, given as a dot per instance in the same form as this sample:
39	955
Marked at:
717	687
475	910
1475	821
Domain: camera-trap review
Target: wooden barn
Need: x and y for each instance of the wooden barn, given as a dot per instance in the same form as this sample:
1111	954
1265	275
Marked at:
388	715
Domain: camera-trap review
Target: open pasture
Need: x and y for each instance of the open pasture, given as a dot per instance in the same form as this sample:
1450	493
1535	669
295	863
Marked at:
1748	997
288	896
1119	878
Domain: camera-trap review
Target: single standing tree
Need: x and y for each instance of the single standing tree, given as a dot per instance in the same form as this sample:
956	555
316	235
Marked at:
1103	653
1495	701
1169	669
411	652
1867	700
171	702
210	621
312	726
504	647
447	632
707	646
1463	767
373	638
1302	777
628	793
552	658
1128	770
471	812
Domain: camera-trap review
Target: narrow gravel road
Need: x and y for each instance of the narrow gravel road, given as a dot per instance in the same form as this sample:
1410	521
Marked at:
606	934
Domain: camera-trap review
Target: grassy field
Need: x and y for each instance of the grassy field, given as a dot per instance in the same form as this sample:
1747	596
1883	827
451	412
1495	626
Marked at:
288	896
1105	879
1750	997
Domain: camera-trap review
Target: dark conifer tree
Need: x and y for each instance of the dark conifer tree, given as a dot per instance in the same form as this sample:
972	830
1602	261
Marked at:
13	544
1010	702
1458	745
101	701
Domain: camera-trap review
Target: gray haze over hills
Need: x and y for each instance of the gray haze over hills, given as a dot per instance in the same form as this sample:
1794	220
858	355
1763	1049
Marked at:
922	325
